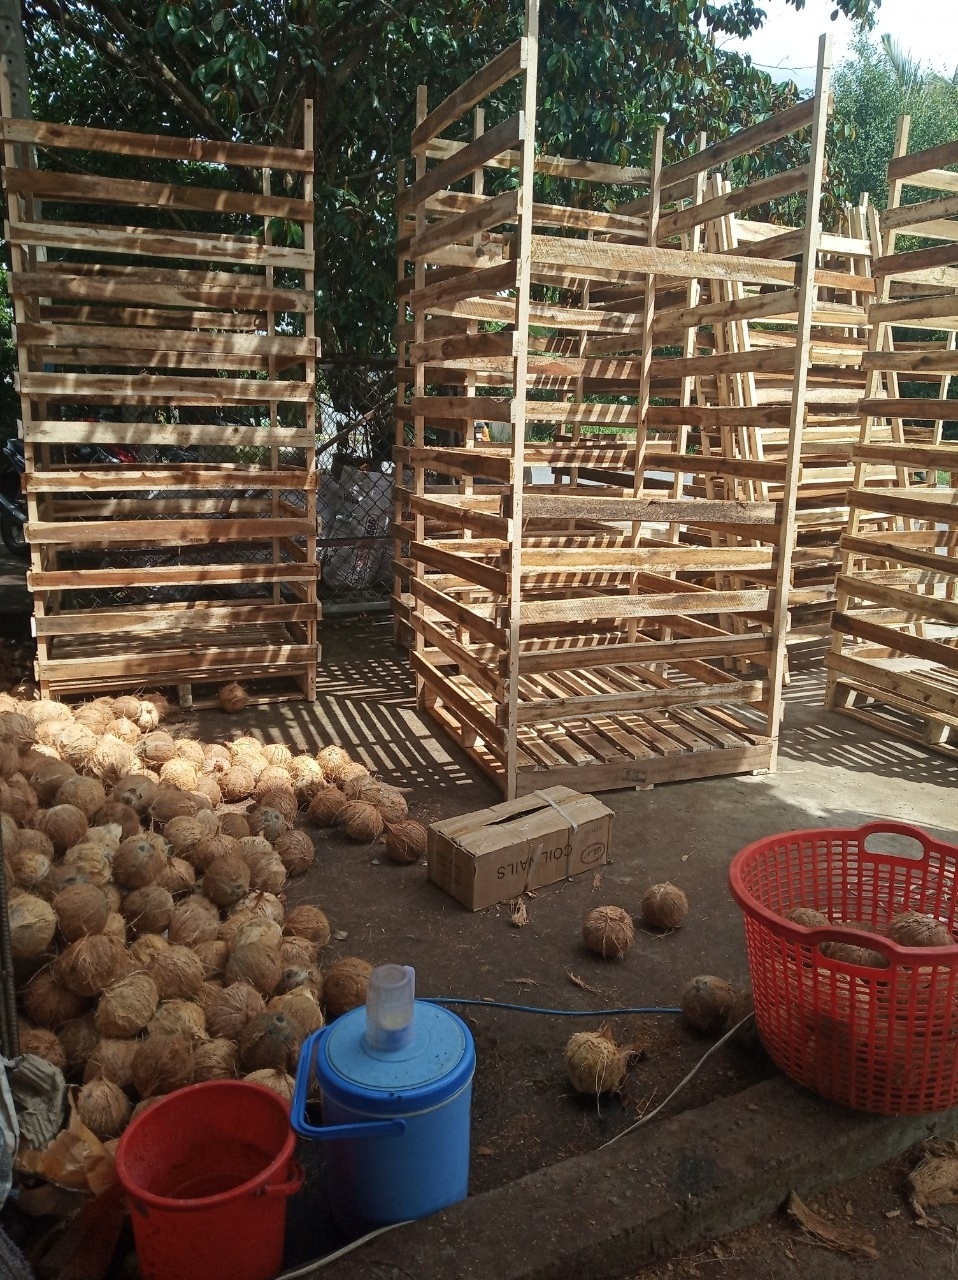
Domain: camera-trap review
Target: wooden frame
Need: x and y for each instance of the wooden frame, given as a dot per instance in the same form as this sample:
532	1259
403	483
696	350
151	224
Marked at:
893	662
565	592
184	573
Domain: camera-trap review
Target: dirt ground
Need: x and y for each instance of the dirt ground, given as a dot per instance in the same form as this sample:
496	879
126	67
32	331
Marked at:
525	1116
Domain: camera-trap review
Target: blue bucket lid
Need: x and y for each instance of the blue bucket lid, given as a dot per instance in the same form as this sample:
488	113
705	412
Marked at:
433	1067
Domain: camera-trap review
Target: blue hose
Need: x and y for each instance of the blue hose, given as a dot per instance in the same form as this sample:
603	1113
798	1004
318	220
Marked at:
529	1008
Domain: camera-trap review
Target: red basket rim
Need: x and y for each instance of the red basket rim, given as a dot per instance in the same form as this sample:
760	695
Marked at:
797	933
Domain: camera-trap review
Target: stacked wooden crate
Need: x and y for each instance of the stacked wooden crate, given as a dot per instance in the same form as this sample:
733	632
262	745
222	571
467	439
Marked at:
573	593
192	336
894	656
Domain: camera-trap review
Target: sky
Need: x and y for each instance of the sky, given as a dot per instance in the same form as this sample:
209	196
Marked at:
787	46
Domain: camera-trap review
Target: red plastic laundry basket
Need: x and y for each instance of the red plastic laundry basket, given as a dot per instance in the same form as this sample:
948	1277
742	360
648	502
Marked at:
878	1039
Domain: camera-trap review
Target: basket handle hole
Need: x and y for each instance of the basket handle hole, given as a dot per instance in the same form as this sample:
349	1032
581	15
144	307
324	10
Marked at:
894	844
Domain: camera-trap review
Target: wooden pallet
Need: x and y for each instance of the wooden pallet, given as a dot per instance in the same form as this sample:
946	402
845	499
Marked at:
894	654
549	475
142	336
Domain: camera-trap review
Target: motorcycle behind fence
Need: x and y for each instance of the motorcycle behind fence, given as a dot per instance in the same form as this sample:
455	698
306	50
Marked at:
13	507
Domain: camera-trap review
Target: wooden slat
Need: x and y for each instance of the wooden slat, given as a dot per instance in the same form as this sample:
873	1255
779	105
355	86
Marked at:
111	336
220	475
911	215
149	243
462	706
897	641
925	410
461	565
171	576
170	617
459	514
667	510
494	211
468	462
588	256
889	549
251	296
171	532
664	604
467	284
481	628
940	157
920	605
741	143
53	431
108	388
505	66
735	201
673	650
935	457
504	137
160	146
84	188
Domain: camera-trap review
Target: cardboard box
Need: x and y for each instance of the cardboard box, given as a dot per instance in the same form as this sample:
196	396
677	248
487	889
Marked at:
495	854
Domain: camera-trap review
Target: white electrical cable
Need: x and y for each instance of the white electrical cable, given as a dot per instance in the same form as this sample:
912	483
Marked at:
340	1253
681	1084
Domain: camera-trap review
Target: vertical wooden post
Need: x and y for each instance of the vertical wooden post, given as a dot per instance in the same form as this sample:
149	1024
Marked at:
312	474
520	374
796	425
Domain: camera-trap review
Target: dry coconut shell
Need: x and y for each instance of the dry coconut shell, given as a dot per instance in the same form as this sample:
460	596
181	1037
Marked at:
266	872
104	1108
296	852
247	846
162	1064
46	778
301	1007
170	803
137	862
158	747
44	1044
255	963
246	742
390	801
28	868
361	822
79	1040
345	985
209	990
9	759
159	702
228	1011
664	906
298	952
232	697
405	841
81	909
18	728
205	853
807	917
126	1007
18	799
91	964
305	978
235	825
48	1004
85	794
111	759
149	718
307	777
122	815
706	1001
226	879
148	909
177	972
608	931
216	759
194	920
126	730
178	1017
277	754
179	773
125	706
26	840
273	778
208	789
190	749
216	1060
269	823
177	877
112	1060
270	1040
144	948
279	1081
326	807
31	926
115	927
95	715
10	837
913	929
183	834
308	922
65	824
213	955
256	929
593	1063
333	760
352	779
236	783
92	860
267	905
136	790
44	710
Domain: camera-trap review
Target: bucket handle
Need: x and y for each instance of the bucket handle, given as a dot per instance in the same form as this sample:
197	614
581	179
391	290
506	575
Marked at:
329	1132
297	1176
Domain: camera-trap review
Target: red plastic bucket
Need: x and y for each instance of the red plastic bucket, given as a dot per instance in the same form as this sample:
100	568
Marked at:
208	1171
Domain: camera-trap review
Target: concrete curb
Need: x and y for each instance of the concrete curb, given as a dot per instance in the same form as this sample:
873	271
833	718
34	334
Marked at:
600	1216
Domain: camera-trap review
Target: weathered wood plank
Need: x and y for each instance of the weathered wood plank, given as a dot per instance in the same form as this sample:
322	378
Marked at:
648	509
504	137
659	605
504	67
53	431
109	388
171	532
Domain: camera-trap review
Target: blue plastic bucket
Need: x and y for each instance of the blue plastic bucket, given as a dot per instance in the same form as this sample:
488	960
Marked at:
397	1123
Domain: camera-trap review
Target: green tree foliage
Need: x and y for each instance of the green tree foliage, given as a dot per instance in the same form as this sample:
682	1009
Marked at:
610	70
873	88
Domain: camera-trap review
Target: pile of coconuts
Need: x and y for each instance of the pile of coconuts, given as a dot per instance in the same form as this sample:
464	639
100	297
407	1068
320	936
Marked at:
151	942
